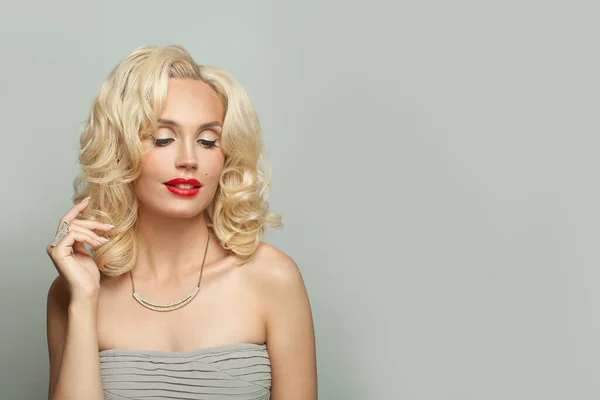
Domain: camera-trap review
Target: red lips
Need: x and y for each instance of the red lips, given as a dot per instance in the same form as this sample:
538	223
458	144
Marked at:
189	181
186	192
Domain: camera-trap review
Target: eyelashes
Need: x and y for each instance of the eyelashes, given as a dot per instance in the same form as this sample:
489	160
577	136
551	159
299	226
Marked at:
203	142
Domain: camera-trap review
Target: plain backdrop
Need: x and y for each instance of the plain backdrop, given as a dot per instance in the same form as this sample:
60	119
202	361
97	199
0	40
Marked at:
435	164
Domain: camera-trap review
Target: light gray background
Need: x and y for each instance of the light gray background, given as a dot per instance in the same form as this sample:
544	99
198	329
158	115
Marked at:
435	163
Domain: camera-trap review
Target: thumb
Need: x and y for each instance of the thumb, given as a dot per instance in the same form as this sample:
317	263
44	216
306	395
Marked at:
79	248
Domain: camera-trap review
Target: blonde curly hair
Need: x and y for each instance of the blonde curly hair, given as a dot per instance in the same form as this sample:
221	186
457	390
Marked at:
125	112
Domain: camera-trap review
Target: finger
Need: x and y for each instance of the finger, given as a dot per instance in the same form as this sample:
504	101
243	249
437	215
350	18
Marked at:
87	231
79	248
64	247
74	212
91	225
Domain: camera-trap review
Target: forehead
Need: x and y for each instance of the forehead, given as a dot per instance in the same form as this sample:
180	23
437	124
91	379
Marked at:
190	102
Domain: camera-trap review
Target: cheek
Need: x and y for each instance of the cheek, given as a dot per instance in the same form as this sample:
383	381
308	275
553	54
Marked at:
213	165
151	172
152	167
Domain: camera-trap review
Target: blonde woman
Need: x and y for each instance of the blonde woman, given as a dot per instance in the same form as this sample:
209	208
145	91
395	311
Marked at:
175	296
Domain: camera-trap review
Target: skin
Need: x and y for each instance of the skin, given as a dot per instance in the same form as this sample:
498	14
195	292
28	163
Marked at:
262	301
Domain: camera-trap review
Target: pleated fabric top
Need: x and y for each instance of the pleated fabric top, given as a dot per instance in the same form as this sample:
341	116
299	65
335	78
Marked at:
240	371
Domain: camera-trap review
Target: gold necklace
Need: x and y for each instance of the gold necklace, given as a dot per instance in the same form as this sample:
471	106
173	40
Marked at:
176	304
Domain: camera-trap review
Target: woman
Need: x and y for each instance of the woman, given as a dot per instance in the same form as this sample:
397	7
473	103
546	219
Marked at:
178	297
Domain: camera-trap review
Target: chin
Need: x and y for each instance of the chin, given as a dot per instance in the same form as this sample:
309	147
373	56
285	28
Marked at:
183	212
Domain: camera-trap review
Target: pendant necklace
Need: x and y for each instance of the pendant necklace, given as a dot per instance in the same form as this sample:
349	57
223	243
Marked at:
176	304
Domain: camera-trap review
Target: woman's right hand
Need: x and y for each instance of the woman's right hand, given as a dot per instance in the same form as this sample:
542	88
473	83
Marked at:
71	258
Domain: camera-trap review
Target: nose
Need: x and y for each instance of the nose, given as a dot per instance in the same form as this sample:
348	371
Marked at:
186	156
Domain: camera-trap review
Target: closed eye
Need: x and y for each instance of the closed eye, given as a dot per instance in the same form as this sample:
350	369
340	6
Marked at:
203	142
162	142
208	143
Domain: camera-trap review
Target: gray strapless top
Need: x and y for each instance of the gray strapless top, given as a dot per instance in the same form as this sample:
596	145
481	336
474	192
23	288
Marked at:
240	371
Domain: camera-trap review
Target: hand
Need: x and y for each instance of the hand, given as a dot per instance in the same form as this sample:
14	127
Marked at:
70	256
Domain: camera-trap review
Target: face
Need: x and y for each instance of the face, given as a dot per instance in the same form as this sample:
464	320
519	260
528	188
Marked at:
187	144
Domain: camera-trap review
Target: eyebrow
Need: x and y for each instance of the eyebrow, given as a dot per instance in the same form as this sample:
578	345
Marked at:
201	127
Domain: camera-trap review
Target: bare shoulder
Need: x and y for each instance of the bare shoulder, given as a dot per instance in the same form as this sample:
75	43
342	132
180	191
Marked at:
57	306
278	282
274	268
58	293
290	330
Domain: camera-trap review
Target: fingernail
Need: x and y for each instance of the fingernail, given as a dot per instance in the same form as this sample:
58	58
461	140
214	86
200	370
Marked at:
86	199
109	225
103	239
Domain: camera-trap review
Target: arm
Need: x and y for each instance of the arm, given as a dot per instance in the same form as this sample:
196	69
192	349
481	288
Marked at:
72	345
290	333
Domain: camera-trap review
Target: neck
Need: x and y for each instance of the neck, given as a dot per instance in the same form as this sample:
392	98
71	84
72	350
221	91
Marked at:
169	248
